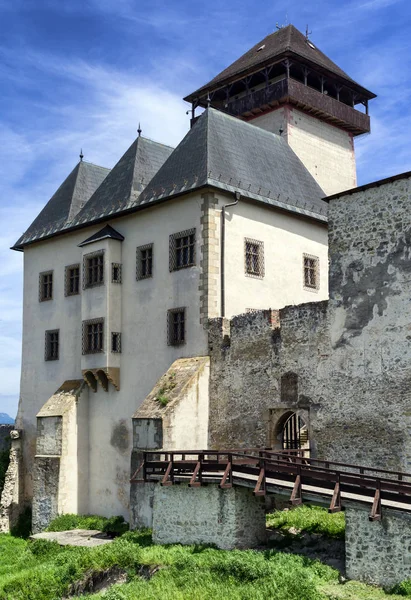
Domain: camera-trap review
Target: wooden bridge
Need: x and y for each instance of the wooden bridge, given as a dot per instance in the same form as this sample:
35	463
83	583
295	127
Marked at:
289	471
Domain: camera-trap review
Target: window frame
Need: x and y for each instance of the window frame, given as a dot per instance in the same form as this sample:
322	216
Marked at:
316	269
49	355
116	278
259	246
94	349
86	269
139	261
68	279
115	348
172	339
42	296
175	248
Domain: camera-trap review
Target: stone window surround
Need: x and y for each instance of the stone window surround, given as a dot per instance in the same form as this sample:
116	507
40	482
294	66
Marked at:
141	270
254	248
176	329
311	288
52	345
86	267
96	346
45	287
116	342
116	273
174	249
68	278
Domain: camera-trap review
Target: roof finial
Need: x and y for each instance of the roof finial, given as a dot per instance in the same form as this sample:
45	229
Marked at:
307	33
208	100
81	155
139	130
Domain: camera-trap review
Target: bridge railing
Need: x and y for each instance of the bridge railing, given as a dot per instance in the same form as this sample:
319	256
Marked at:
265	469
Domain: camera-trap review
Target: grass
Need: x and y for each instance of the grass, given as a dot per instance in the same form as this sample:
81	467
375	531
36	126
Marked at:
42	570
311	519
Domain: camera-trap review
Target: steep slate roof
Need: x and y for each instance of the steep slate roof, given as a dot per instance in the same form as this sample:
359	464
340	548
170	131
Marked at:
107	232
68	200
126	181
286	41
229	154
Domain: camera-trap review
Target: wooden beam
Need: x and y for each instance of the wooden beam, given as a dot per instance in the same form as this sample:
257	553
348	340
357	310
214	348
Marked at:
227	475
296	497
259	489
166	481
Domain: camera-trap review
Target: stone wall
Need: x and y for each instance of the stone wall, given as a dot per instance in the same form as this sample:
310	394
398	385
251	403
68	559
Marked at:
5	436
343	365
11	498
378	552
232	518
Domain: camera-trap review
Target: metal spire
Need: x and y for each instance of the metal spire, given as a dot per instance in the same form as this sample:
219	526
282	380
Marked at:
139	130
81	155
208	100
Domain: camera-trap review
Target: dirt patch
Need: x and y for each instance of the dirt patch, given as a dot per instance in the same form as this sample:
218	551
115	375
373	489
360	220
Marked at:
312	545
97	581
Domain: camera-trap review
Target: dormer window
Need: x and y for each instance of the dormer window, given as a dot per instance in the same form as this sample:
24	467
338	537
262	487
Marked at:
93	269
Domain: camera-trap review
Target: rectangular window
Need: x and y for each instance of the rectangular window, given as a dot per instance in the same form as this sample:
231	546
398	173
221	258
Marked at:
72	283
182	249
176	326
144	263
93	269
52	345
93	336
116	272
46	286
254	258
116	342
311	267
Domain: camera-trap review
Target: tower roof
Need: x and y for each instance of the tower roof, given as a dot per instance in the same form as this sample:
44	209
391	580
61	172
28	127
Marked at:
67	201
229	154
127	179
285	42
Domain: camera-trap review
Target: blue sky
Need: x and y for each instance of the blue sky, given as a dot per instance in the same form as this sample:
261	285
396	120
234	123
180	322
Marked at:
82	74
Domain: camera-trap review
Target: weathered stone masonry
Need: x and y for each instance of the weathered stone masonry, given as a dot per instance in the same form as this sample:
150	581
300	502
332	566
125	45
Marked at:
345	364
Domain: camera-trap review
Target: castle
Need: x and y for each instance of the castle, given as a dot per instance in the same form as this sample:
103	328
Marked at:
131	277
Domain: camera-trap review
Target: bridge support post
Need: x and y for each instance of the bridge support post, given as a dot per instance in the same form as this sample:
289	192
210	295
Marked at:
228	518
378	552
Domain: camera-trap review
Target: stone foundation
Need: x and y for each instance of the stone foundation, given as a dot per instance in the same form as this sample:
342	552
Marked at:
232	518
378	552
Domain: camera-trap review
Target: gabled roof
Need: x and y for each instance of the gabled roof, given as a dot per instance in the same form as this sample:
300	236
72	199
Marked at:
126	181
107	232
229	154
68	200
287	41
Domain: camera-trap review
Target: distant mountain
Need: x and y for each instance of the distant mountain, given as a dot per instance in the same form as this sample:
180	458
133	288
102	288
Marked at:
6	419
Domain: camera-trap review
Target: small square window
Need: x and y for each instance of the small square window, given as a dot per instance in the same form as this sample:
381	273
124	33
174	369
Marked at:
93	336
46	286
144	264
311	272
254	258
51	351
116	342
72	280
182	249
176	326
93	269
116	272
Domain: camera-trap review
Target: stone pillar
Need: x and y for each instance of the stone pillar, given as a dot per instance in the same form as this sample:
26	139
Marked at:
11	496
232	518
378	552
147	435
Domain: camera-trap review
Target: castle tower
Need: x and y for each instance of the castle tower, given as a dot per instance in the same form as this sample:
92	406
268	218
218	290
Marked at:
286	85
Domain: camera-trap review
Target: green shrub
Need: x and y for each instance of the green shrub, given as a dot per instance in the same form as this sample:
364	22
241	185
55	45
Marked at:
70	521
403	588
115	526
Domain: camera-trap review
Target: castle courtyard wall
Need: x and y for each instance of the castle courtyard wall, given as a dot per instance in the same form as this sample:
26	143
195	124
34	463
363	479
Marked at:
343	365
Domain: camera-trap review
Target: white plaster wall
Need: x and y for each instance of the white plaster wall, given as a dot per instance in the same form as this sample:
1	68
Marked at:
186	425
286	238
326	151
145	353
